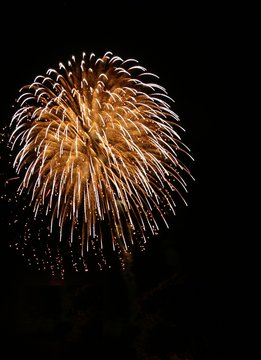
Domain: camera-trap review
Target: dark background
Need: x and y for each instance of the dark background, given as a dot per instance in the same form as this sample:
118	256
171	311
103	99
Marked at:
182	287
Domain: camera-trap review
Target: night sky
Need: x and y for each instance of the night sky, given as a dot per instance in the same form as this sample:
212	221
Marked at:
179	290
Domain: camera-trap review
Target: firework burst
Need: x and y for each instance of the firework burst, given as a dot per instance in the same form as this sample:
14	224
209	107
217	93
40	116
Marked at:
96	142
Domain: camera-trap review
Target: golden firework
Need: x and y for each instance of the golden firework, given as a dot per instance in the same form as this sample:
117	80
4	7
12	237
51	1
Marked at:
96	142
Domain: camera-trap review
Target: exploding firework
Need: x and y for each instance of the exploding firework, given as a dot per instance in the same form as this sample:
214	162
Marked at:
98	152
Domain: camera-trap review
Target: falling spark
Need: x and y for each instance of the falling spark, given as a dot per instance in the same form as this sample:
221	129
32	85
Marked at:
96	142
